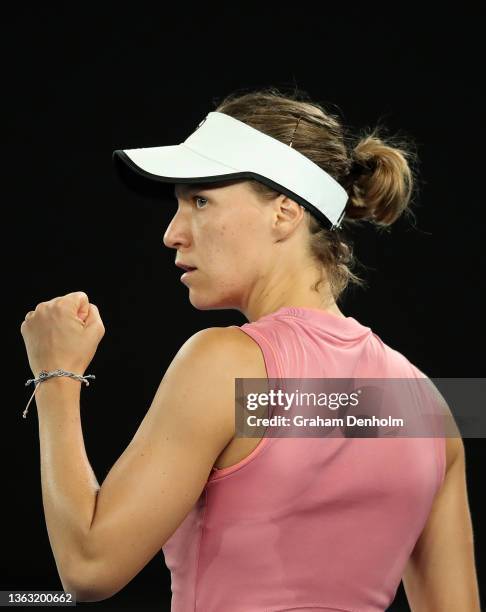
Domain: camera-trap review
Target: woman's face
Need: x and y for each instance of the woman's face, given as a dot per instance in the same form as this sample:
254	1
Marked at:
224	231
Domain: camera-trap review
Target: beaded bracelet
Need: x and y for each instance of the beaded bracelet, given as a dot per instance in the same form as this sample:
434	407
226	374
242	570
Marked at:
45	375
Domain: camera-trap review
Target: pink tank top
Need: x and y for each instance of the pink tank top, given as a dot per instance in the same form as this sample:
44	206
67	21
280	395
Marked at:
309	524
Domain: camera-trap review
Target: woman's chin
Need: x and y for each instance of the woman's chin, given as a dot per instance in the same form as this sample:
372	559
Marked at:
204	303
200	302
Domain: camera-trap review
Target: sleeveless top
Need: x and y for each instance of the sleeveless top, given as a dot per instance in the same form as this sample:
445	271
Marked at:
309	524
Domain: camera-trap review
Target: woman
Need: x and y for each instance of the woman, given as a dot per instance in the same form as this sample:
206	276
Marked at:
265	523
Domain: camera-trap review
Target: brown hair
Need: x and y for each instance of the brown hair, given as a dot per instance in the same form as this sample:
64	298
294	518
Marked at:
375	169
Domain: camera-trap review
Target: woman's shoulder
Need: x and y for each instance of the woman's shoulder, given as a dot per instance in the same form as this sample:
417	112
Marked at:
229	347
222	338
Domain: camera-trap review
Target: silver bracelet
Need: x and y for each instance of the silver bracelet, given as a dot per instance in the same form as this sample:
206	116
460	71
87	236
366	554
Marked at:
44	375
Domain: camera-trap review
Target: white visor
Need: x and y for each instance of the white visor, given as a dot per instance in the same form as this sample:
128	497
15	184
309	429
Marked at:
224	148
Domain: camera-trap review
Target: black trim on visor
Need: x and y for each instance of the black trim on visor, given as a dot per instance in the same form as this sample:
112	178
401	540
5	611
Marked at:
145	183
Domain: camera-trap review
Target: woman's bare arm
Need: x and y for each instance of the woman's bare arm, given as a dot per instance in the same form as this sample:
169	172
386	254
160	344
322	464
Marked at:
441	573
156	481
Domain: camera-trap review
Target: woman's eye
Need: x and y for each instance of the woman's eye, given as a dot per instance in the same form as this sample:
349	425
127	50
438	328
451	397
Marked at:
196	198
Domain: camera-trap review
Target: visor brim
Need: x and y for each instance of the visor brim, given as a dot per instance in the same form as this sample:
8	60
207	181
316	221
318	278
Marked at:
153	171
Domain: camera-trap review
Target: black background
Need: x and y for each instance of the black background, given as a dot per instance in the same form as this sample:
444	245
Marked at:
77	85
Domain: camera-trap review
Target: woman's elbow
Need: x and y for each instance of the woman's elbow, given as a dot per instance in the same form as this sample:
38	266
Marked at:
89	592
85	585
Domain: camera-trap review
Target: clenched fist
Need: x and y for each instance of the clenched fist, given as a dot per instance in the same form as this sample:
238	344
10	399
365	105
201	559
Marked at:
62	333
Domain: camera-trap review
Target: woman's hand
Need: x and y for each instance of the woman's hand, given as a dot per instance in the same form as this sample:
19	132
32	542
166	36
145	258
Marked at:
63	333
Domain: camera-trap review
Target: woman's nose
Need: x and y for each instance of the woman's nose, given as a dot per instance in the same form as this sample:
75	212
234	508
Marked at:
177	233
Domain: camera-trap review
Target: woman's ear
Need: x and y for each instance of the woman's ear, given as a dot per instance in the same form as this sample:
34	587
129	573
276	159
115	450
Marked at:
288	215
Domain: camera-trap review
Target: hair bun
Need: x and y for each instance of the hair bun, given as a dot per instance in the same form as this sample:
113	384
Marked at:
360	167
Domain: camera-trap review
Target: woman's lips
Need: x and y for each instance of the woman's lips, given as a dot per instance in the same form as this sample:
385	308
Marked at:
186	274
